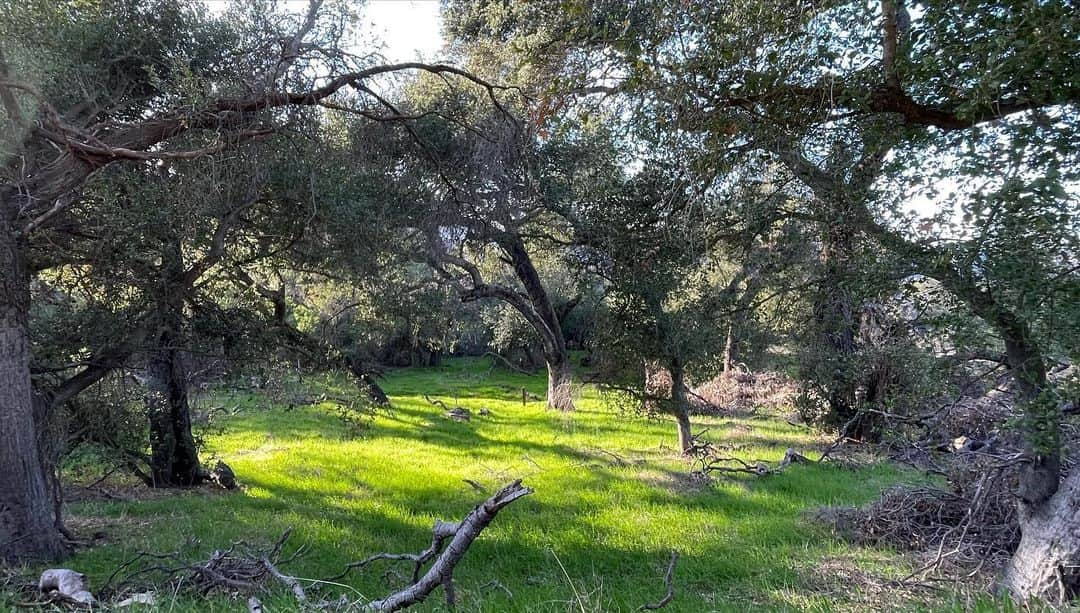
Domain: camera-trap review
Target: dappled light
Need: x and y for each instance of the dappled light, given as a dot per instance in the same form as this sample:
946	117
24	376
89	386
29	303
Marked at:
357	306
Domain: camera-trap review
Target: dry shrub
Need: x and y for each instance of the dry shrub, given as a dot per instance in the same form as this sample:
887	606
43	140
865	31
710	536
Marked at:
741	392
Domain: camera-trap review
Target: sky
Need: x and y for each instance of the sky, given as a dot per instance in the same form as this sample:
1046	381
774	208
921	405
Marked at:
406	29
409	29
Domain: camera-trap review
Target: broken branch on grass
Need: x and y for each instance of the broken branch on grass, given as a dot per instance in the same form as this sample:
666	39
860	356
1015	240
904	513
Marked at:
442	570
710	460
449	543
290	582
669	581
245	569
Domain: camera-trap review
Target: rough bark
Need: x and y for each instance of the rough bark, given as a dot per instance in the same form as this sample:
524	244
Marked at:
174	457
1045	564
29	519
560	394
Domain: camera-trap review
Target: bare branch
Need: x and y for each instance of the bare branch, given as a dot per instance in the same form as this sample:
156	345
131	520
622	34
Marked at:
669	581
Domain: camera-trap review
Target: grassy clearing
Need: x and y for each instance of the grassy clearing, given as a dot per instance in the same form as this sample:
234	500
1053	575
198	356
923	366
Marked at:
596	535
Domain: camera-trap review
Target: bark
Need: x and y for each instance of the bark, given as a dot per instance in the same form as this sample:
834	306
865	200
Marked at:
174	457
560	394
664	392
730	352
1042	506
29	519
680	408
1044	565
533	304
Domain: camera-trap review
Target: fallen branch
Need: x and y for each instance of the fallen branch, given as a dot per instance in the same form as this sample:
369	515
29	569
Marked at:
290	582
442	570
669	581
709	460
244	569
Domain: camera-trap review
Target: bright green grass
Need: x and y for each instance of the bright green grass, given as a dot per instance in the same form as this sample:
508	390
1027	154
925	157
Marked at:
594	536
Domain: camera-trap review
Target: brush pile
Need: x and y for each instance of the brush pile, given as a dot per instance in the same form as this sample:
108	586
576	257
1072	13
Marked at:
744	392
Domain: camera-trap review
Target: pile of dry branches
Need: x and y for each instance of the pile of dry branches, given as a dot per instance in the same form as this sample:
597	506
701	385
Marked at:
744	392
240	568
971	526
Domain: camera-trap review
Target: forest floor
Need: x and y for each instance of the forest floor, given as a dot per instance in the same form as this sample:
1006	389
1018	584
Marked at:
612	500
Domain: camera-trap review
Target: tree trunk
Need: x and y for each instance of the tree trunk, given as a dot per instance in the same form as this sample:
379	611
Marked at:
680	408
29	518
546	322
1050	542
837	325
560	394
174	456
1044	565
729	350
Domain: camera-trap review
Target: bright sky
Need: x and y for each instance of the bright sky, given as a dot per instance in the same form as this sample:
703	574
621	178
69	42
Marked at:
406	30
409	29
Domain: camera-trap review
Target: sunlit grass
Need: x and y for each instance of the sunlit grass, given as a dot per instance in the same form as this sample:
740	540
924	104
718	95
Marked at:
612	501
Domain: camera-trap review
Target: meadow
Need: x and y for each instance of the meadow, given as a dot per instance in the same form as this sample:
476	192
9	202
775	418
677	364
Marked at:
612	500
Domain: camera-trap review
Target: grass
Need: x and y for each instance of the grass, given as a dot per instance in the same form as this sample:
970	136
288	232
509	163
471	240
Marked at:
596	535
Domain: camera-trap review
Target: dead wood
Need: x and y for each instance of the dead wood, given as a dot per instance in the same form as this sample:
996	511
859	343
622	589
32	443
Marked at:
67	586
708	459
290	582
448	545
458	414
248	570
669	581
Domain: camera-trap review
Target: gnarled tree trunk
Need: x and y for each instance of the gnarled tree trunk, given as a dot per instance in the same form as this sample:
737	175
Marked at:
174	457
547	324
28	516
1045	564
664	391
1049	541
